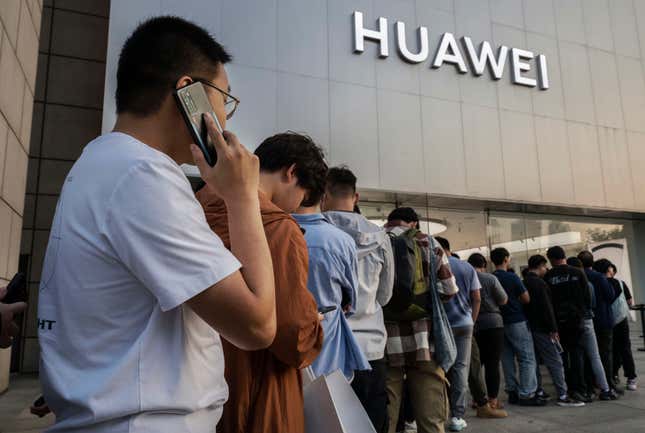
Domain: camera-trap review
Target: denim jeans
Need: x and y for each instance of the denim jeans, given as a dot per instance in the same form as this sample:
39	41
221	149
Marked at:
590	346
518	343
547	353
458	374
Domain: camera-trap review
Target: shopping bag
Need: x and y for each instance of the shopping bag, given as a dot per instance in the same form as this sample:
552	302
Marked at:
332	407
619	308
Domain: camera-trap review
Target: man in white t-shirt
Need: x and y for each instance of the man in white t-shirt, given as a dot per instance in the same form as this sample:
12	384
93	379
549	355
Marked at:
135	287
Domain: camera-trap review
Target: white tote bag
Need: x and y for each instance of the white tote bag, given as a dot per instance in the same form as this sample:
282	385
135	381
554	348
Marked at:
331	405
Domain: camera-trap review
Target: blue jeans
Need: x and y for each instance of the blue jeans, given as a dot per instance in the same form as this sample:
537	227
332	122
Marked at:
518	343
458	374
546	351
590	346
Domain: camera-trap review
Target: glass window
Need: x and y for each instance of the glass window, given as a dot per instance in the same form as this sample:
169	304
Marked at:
509	231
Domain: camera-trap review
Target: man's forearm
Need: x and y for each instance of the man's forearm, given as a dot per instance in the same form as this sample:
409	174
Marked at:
249	245
476	307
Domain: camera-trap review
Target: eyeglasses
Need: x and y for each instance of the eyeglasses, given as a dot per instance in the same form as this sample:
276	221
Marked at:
230	101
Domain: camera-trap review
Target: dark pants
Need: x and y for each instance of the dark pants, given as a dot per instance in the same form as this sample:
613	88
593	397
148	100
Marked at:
475	379
623	350
573	359
606	349
491	344
547	353
370	389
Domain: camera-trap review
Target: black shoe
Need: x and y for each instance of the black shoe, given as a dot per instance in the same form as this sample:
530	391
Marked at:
513	397
581	397
568	402
543	394
608	395
533	401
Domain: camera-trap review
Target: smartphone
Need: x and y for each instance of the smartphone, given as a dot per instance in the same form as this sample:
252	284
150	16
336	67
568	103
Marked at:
557	345
16	289
325	310
193	103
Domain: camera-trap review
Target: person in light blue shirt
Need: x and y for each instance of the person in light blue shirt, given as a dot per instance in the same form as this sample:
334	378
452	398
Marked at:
333	280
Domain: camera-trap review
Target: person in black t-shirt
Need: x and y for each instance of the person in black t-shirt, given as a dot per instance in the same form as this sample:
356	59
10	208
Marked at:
545	330
571	298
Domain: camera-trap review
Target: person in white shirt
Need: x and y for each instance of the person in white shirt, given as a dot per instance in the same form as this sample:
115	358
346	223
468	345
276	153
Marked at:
135	287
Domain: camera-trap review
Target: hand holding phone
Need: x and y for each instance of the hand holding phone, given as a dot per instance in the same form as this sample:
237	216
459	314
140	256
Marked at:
236	175
325	310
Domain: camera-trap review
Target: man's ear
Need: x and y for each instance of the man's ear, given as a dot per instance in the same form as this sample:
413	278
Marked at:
183	81
290	173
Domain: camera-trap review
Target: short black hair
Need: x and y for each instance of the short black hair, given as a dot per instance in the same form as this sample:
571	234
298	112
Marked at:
156	55
613	266
586	258
445	244
406	214
341	181
536	261
556	253
498	255
575	262
477	260
288	148
602	265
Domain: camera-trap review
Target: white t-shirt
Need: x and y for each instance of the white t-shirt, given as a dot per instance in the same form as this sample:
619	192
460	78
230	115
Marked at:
128	246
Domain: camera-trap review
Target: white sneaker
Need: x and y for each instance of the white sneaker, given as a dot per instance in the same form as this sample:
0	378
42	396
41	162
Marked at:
631	384
410	427
457	424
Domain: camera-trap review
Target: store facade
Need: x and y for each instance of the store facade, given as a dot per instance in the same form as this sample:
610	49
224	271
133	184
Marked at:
503	122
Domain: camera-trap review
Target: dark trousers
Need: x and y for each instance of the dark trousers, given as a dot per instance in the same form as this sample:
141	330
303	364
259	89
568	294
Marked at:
491	344
623	350
573	359
606	349
475	379
370	389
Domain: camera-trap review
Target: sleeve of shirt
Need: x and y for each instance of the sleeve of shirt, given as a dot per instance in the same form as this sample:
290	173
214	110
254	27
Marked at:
549	314
350	275
158	230
475	285
499	293
299	334
519	286
386	278
607	292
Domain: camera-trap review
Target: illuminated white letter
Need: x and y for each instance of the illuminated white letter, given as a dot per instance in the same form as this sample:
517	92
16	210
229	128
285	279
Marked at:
454	56
403	47
518	67
361	33
479	62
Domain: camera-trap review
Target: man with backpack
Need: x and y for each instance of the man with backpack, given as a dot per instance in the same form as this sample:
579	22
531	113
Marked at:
419	262
462	311
375	282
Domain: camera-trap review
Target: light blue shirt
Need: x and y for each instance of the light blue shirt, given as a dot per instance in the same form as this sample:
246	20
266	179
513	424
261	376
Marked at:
459	309
332	277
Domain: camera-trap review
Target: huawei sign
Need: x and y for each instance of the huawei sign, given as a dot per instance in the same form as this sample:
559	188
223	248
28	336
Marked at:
477	58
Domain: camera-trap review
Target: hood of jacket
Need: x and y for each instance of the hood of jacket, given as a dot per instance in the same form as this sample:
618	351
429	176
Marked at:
367	235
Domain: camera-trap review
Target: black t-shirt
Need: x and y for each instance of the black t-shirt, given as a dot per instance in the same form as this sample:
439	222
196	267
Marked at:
570	294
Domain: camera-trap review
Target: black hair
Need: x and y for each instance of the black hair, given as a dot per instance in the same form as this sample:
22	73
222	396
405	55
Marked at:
288	148
498	255
602	265
614	268
477	260
341	181
586	258
443	242
536	261
556	253
406	214
156	55
575	262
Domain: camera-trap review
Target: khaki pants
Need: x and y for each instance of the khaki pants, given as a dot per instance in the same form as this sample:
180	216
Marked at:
427	385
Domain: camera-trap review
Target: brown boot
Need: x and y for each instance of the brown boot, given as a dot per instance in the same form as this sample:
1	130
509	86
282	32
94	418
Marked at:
495	403
486	411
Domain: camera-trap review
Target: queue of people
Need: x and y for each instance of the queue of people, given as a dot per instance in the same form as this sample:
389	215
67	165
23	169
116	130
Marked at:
178	310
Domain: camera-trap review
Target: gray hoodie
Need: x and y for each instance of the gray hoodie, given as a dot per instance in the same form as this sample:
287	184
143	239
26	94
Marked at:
375	280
